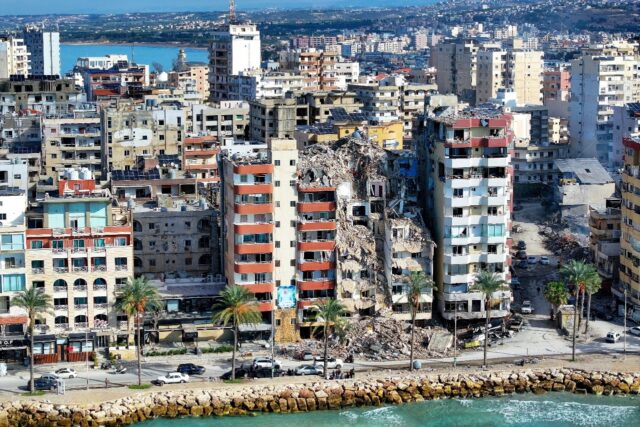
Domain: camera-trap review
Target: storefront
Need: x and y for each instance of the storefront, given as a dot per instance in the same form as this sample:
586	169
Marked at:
13	349
80	346
46	349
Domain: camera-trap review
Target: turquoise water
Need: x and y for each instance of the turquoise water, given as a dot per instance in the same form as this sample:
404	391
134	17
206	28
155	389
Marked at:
551	410
142	54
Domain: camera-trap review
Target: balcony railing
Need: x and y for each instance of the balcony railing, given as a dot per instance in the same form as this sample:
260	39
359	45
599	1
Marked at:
38	270
80	287
61	307
80	306
100	306
99	268
81	269
62	326
121	268
123	324
99	287
59	289
81	324
61	269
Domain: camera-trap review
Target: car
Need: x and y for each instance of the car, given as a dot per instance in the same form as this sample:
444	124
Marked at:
523	264
240	373
521	255
332	362
522	245
50	376
526	307
310	370
532	260
43	384
66	373
613	337
635	331
515	282
305	355
265	373
173	378
266	362
544	260
190	369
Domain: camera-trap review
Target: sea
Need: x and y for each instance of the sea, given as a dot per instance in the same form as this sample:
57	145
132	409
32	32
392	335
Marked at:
550	410
141	54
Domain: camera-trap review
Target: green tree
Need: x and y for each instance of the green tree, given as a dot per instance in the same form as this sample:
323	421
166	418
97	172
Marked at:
136	297
236	306
419	284
487	283
592	285
576	273
34	302
556	294
330	312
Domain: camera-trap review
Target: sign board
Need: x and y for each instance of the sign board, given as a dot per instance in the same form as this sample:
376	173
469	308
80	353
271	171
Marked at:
286	296
10	343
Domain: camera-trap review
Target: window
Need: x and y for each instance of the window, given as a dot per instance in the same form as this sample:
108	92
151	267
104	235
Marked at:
11	242
276	162
277	224
188	261
152	226
292	162
3	216
78	243
120	241
292	203
277	243
98	243
36	244
152	263
276	183
12	283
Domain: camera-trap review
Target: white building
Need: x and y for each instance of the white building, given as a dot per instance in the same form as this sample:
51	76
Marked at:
106	62
234	49
259	84
14	58
44	47
598	83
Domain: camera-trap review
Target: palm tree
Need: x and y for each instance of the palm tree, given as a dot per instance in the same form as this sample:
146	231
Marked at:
236	306
419	284
556	294
330	312
487	283
592	285
34	301
576	273
137	297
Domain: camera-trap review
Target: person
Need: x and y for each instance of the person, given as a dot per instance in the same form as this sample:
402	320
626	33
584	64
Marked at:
106	383
352	373
538	290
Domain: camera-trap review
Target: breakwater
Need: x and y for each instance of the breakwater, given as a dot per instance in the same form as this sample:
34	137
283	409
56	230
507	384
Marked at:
313	396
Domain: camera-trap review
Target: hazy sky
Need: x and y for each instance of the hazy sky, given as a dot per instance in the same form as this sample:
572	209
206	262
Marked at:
28	7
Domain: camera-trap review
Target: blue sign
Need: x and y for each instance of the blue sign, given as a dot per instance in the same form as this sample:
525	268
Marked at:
286	296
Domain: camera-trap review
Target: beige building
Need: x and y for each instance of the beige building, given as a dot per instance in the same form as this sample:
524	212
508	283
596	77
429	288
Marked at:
276	118
227	119
455	62
519	71
192	75
14	58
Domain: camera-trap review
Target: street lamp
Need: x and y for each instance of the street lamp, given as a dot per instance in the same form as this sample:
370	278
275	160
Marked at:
624	317
455	334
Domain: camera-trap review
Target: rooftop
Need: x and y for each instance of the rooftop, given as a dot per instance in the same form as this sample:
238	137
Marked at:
585	171
449	115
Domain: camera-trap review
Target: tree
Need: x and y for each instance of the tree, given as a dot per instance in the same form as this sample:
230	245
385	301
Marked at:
556	294
330	312
137	297
592	285
236	306
35	302
487	283
576	273
419	283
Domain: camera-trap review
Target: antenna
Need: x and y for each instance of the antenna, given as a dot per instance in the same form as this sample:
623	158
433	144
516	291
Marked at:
232	11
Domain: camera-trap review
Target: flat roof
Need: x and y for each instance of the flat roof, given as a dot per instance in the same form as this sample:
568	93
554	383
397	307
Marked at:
586	171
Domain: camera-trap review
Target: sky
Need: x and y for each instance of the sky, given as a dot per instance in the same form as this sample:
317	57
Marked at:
33	7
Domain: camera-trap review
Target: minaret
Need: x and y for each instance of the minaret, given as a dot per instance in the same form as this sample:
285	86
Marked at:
232	11
181	64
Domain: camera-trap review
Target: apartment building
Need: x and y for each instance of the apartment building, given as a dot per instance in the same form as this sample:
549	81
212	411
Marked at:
598	83
234	49
46	94
626	123
556	84
604	239
468	194
630	234
120	81
14	58
227	119
321	103
520	71
534	164
276	118
80	252
44	47
190	74
456	63
259	84
200	157
70	141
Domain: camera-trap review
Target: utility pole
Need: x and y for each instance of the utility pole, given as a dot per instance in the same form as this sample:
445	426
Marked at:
455	334
625	323
575	323
273	339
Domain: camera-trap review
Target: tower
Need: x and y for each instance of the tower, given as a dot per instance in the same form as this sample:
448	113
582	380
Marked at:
232	11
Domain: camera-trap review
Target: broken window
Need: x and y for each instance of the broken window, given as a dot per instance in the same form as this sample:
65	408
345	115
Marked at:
476	305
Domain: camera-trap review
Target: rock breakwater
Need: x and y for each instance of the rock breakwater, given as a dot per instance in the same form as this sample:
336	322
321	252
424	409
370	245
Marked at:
317	395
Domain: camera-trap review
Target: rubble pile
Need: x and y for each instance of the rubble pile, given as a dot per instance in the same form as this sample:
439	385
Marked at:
377	339
563	244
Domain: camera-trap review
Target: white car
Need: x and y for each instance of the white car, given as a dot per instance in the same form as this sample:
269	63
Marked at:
332	362
544	260
526	308
66	373
635	331
266	362
613	337
173	378
310	370
532	260
50	376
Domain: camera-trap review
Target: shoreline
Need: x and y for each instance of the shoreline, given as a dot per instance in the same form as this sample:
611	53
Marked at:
141	44
304	394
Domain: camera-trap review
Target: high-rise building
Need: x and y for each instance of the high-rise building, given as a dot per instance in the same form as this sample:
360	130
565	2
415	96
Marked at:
598	83
455	62
44	47
468	194
520	71
14	58
234	49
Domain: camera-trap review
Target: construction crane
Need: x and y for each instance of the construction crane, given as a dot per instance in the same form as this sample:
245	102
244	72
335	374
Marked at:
232	11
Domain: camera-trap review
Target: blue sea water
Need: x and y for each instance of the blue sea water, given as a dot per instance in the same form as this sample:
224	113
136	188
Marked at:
551	410
142	54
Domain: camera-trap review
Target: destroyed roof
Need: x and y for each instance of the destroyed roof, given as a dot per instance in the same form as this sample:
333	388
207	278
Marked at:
449	115
585	171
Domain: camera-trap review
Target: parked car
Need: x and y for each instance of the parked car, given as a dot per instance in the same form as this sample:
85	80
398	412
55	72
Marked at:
532	260
521	255
266	373
310	370
66	373
332	362
305	355
526	307
522	245
190	369
240	373
515	282
266	362
523	264
173	378
50	376
544	260
43	384
613	337
635	331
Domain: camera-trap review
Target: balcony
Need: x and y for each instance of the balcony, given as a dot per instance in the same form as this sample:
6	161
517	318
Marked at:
265	306
80	288
101	306
81	325
99	287
253	267
61	269
316	207
99	268
37	270
319	225
255	188
258	287
253	208
253	248
253	228
62	326
253	169
316	285
80	306
317	265
317	245
80	269
61	307
122	268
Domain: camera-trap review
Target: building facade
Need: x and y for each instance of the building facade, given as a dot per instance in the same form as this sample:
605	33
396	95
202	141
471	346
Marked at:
44	47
